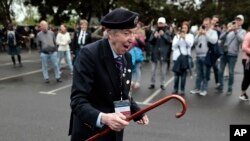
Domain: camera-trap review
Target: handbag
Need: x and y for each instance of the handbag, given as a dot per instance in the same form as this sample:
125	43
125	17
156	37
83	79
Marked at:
214	52
181	64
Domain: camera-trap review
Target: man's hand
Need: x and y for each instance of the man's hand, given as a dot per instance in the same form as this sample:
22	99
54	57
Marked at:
115	121
202	31
161	32
143	121
156	34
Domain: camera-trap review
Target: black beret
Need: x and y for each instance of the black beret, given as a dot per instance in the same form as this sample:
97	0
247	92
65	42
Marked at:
120	19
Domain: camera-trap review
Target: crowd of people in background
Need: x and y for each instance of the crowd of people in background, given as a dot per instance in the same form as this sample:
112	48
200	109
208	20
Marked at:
163	45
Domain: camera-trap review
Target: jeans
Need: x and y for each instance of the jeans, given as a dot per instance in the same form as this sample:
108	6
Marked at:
202	70
136	74
182	77
216	72
67	56
231	60
54	60
163	69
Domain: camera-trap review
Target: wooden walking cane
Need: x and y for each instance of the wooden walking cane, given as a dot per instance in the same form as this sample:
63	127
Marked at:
146	109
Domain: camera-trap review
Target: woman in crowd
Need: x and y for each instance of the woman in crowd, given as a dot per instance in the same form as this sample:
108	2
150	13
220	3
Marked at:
63	40
14	49
182	44
137	55
246	66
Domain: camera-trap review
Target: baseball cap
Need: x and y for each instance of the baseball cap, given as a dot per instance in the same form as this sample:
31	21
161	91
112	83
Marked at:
240	17
161	20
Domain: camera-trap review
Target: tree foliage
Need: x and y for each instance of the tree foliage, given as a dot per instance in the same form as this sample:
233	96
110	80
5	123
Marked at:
62	10
6	11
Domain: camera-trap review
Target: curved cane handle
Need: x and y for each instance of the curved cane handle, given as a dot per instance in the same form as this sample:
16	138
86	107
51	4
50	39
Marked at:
150	107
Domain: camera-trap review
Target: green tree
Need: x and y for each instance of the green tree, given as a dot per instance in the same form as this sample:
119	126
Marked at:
61	10
31	17
6	11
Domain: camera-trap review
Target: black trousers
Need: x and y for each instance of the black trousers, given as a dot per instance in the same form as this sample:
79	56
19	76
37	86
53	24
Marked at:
246	81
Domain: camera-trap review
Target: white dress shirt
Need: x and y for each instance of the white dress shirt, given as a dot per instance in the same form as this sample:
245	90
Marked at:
81	38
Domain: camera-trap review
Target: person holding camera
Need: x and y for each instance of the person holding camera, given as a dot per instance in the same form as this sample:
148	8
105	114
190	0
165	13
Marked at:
233	40
215	25
182	44
161	41
205	35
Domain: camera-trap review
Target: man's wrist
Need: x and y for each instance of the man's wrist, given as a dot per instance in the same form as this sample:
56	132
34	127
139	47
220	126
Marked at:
99	122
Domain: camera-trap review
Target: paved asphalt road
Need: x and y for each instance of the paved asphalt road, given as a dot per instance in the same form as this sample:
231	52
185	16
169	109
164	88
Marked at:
31	110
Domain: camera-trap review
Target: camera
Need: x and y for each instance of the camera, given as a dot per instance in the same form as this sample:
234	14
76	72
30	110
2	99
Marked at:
199	46
203	27
233	23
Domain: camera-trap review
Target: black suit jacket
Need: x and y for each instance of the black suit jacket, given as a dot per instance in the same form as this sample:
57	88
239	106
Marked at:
75	44
95	87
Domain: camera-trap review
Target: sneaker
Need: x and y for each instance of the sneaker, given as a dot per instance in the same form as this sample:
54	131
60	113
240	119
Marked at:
182	93
20	65
137	85
175	92
219	89
195	91
162	87
152	86
46	81
229	92
243	97
217	86
203	93
59	80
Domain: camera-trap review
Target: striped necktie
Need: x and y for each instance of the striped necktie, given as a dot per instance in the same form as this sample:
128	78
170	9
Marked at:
119	64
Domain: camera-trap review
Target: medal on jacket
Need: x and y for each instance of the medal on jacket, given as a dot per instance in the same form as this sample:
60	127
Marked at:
122	106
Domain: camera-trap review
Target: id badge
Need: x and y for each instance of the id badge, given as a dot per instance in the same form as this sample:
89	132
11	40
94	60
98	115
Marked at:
122	106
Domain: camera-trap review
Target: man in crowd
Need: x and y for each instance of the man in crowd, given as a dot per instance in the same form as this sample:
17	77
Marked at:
161	41
81	38
48	50
205	35
233	40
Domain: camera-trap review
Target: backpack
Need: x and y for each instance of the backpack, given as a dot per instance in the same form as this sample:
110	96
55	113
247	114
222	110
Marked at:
11	39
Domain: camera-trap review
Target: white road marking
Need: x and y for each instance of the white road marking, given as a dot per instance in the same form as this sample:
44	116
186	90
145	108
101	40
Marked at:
157	91
22	74
142	103
52	92
23	61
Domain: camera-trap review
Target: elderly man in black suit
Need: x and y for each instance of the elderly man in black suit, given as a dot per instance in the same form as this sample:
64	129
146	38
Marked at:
101	82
